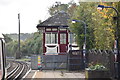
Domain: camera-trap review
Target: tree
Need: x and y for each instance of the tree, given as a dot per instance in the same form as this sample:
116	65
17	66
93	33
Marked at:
34	44
7	39
11	48
57	7
105	31
28	47
83	12
101	26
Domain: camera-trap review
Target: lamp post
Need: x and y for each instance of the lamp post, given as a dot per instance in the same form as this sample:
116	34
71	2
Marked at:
84	45
117	62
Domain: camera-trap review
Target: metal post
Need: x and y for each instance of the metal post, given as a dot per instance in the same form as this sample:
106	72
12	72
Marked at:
117	62
117	24
70	41
117	39
84	45
19	53
117	54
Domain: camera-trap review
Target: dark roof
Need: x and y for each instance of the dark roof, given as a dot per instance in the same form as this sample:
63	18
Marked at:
58	20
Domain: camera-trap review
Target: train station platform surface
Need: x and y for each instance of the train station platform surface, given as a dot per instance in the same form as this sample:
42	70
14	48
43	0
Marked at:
55	74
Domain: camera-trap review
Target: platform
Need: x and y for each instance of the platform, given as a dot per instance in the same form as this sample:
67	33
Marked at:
61	74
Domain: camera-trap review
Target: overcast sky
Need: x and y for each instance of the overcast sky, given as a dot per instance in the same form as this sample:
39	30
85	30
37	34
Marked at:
31	11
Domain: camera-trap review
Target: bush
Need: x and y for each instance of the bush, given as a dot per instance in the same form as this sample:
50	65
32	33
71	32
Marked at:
97	67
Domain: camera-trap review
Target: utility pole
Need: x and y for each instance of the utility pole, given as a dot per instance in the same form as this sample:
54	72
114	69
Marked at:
18	55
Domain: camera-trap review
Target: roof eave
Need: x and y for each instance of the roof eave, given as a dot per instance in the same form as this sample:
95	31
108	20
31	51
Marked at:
42	26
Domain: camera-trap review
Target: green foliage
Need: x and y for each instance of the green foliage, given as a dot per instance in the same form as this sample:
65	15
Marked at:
118	8
101	26
97	67
84	13
57	7
23	36
105	29
30	46
35	44
7	38
11	48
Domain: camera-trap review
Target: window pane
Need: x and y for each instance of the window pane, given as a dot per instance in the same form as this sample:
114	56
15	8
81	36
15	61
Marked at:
51	38
48	38
62	29
54	38
73	39
54	29
48	29
63	38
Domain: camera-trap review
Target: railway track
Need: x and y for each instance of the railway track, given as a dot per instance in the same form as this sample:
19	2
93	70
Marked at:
12	65
16	70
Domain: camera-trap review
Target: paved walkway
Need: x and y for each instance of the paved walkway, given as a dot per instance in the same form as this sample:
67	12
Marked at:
59	74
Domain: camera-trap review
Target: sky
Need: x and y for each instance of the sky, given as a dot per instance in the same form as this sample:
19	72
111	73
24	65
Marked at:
31	11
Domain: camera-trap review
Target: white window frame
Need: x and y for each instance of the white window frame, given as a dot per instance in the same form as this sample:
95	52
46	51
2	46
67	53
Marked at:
51	37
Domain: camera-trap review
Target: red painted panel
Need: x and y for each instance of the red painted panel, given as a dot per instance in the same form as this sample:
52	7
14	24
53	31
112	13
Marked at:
44	49
63	45
63	48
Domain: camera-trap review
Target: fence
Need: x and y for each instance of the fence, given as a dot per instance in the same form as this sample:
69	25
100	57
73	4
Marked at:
54	61
71	61
34	62
105	57
75	60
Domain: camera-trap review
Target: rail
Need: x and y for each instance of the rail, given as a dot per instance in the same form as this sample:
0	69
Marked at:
18	72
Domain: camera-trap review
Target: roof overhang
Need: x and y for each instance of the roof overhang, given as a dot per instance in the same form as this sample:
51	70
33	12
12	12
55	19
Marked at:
41	27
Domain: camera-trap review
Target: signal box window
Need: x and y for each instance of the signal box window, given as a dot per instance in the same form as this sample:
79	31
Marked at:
63	38
51	38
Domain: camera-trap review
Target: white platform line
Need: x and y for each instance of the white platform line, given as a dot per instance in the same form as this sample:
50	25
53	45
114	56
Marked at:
26	73
34	75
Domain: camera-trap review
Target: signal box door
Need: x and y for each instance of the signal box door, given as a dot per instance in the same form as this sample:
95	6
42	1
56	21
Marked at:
63	38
